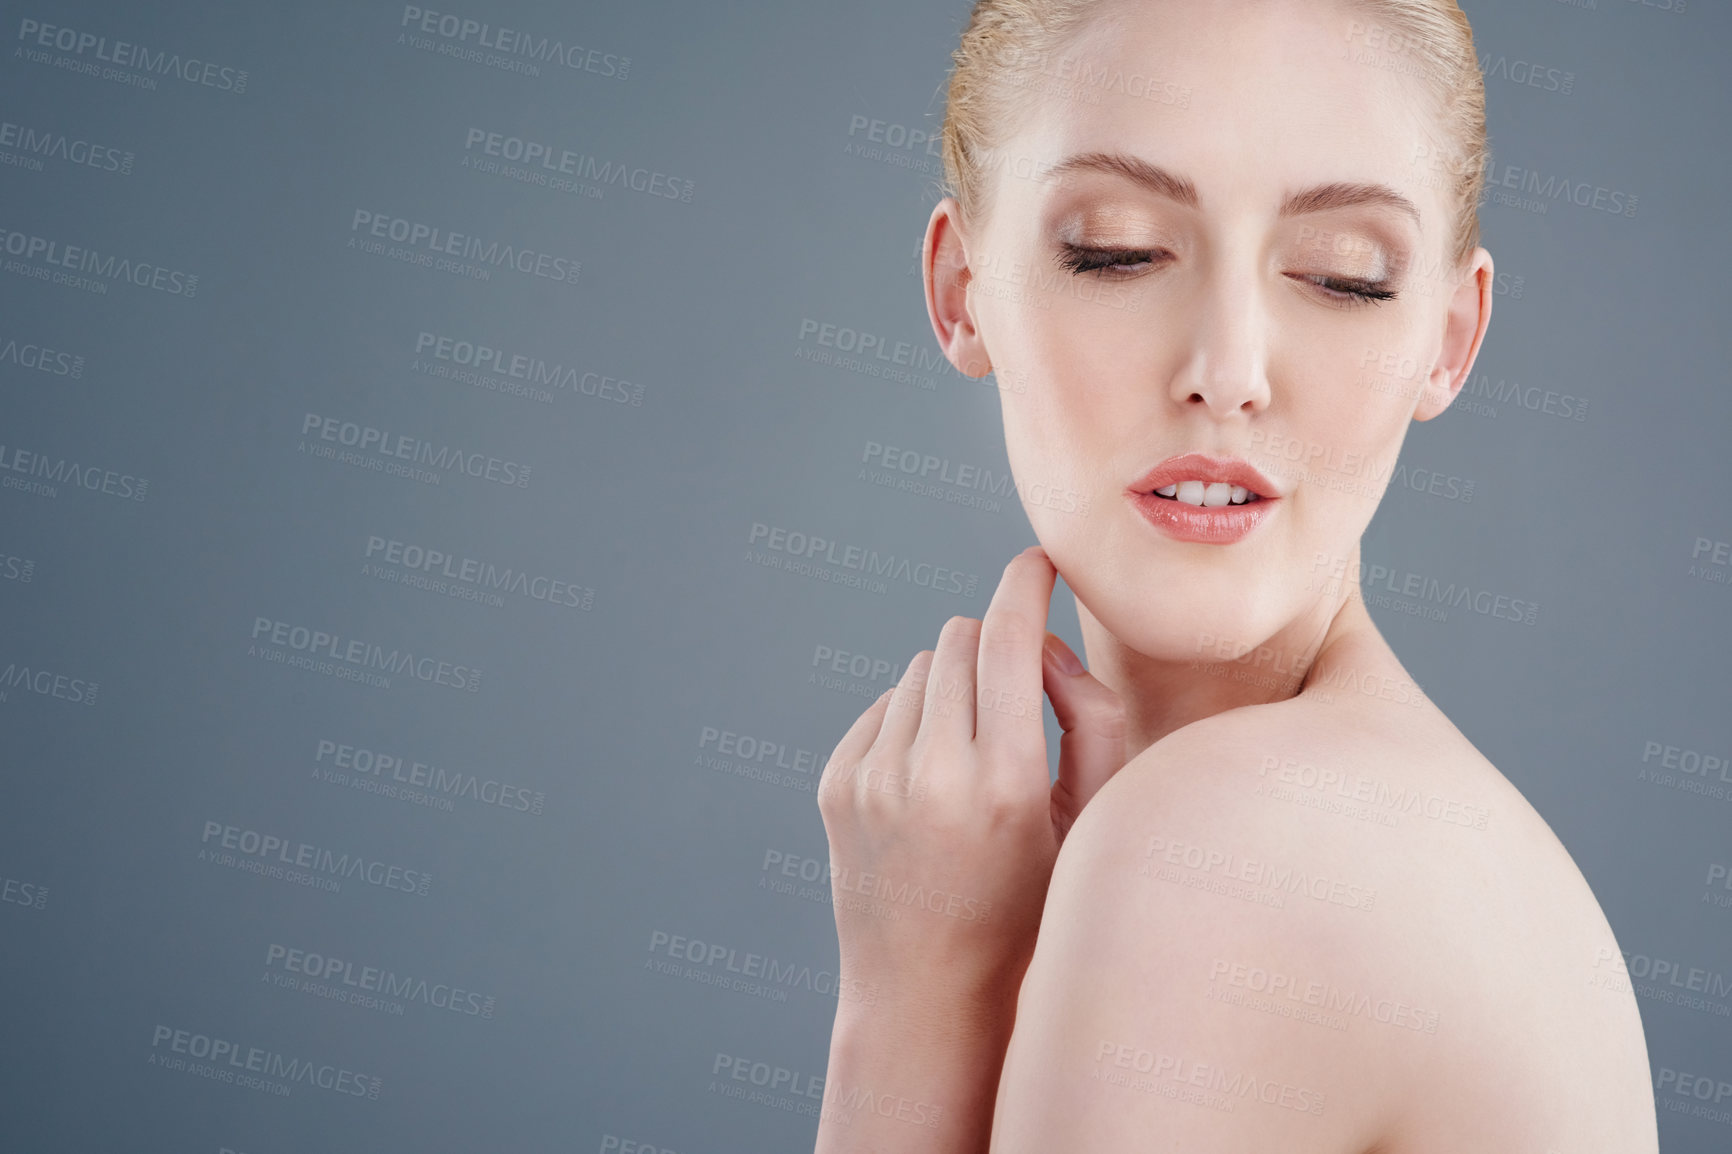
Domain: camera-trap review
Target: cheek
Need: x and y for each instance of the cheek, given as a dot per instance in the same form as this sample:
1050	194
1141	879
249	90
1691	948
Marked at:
1337	423
1355	382
1052	441
1068	433
1043	437
1086	372
1355	408
1053	413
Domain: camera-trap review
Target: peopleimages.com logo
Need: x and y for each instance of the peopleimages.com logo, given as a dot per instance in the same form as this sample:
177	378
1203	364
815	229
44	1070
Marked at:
429	241
250	849
351	980
225	1060
90	52
46	257
478	41
364	654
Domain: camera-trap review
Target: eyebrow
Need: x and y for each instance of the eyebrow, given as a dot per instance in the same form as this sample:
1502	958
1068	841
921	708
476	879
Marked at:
1321	198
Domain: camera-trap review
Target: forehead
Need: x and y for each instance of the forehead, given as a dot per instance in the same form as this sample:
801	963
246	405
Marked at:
1248	99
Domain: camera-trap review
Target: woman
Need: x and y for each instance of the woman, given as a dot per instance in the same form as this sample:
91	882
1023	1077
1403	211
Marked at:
1231	248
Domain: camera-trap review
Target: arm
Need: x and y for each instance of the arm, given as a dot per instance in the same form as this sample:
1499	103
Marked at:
943	825
911	1079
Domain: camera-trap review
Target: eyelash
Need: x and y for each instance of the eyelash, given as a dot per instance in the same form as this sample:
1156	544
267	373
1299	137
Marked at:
1343	291
1351	293
1082	260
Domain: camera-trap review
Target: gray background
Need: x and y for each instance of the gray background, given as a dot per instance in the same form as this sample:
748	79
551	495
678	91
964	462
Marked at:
114	927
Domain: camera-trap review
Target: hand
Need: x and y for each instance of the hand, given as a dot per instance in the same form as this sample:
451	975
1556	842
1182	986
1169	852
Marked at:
942	820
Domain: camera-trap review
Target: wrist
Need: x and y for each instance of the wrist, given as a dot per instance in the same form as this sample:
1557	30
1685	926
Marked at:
960	1000
916	1069
940	1074
953	1022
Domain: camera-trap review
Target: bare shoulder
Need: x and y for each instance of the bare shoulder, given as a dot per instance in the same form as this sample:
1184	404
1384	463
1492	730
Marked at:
1324	925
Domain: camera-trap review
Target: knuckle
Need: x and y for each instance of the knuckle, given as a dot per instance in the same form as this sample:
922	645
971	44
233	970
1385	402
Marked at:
832	783
1106	717
945	692
910	696
874	806
1011	804
960	627
932	770
1003	642
1014	619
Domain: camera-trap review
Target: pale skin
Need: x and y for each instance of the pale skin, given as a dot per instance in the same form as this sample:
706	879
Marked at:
1275	899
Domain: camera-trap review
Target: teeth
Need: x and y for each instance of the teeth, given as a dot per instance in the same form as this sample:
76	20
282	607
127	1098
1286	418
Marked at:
1208	494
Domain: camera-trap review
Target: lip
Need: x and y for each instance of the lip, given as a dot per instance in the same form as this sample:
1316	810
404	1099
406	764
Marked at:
1202	467
1220	525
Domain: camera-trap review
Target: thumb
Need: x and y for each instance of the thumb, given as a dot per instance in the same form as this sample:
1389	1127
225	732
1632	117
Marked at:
1093	720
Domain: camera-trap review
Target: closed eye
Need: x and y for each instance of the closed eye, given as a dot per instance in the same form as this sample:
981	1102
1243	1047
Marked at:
1348	292
1110	263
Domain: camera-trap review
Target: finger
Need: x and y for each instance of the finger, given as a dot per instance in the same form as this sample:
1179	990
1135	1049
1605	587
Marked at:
949	704
1008	700
1092	717
902	721
843	769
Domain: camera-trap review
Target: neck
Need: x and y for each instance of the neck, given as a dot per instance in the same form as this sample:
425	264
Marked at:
1162	695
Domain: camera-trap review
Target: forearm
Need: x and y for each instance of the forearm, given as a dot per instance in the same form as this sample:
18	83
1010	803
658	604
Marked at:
913	1079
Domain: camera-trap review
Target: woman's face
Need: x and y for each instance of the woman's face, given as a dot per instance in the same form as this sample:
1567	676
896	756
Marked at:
1217	232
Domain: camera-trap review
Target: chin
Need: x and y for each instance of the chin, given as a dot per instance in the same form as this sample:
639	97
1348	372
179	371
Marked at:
1207	627
1171	616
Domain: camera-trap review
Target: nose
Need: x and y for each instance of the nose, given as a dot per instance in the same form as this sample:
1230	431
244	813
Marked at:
1226	367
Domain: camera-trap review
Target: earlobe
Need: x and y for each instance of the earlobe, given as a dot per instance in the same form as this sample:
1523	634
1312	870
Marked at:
1464	331
944	264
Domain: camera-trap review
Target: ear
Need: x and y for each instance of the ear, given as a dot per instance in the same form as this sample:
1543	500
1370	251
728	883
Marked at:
1464	330
944	264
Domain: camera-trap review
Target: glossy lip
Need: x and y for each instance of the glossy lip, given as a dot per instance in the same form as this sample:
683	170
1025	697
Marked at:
1202	467
1220	525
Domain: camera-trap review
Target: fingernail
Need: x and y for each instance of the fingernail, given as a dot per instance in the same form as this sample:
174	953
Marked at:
1061	655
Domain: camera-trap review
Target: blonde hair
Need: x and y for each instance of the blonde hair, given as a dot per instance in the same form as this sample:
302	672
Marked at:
989	89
